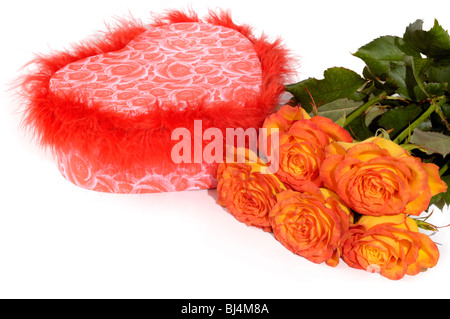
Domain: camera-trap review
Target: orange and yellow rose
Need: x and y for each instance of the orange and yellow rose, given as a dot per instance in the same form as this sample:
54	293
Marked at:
311	223
301	153
324	181
302	143
378	177
248	191
390	245
288	115
285	117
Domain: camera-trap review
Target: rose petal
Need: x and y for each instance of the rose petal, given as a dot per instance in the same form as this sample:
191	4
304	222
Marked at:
393	148
328	171
419	177
429	252
366	151
372	221
437	185
306	130
418	205
275	120
335	149
334	131
395	273
293	113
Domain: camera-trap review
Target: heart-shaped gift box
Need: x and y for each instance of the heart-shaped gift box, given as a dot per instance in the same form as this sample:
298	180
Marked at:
108	107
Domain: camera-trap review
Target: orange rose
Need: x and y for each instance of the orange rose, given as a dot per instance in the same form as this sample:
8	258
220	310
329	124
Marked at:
287	115
301	144
391	245
302	150
378	177
301	153
335	132
284	118
248	191
311	223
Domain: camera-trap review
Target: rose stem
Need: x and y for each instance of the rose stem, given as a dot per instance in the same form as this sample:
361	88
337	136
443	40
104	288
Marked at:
363	108
433	107
443	169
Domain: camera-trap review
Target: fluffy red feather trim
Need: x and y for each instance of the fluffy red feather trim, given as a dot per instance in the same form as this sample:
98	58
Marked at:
72	122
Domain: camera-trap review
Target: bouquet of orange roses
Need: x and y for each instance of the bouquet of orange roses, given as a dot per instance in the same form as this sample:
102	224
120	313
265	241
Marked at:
354	173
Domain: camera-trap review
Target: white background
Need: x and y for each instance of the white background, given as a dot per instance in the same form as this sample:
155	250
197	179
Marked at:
60	241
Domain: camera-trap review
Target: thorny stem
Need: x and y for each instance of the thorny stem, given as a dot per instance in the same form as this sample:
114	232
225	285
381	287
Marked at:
363	108
443	118
433	107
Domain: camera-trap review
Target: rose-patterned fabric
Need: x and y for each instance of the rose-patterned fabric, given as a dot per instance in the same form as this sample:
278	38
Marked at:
177	63
153	179
174	64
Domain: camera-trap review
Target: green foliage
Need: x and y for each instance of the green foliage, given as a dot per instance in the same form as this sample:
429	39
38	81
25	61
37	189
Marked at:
338	83
432	142
403	90
434	43
398	118
338	109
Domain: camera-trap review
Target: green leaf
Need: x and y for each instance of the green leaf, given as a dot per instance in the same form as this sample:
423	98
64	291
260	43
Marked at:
417	65
434	43
338	83
338	109
380	54
423	88
397	119
373	114
436	89
385	60
341	120
425	225
432	142
402	76
439	71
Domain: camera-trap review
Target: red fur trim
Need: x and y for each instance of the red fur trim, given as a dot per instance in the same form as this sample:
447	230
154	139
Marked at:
62	123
